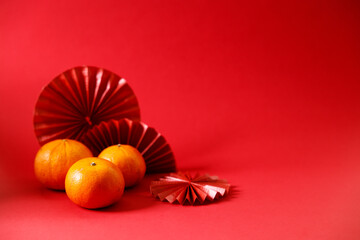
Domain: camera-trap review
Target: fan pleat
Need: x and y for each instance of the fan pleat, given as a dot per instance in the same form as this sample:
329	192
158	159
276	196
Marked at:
158	157
79	98
184	188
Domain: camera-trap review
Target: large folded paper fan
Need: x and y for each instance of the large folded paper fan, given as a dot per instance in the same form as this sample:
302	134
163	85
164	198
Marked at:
80	98
152	145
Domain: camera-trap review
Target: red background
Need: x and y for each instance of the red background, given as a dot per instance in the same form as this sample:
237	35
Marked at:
264	94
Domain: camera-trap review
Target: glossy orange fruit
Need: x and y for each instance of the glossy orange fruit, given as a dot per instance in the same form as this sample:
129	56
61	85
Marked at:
129	160
94	183
54	159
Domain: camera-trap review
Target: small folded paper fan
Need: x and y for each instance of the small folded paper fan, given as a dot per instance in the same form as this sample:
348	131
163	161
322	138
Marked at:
80	98
185	189
152	145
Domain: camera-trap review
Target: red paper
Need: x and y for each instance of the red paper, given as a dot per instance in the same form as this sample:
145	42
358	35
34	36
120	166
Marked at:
183	188
80	98
152	145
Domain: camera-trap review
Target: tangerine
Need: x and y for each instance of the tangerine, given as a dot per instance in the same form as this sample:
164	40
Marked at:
94	183
129	160
54	159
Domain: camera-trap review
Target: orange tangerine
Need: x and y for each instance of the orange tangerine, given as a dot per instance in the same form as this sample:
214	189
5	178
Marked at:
54	159
129	160
94	183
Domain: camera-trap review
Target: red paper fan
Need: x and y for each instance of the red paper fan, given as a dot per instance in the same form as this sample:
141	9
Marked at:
151	144
79	98
183	188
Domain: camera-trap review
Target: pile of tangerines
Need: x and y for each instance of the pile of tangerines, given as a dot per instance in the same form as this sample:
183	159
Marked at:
90	182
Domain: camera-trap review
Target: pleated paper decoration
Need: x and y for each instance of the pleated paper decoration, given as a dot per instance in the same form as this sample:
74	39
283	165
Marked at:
80	98
151	144
185	189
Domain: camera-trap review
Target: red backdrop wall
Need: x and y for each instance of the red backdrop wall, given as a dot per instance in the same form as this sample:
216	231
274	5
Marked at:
264	94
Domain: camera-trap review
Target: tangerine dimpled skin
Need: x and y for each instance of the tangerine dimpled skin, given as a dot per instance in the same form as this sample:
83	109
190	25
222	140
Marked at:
94	183
129	160
54	159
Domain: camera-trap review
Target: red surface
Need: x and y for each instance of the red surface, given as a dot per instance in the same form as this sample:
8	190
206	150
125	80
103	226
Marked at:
264	94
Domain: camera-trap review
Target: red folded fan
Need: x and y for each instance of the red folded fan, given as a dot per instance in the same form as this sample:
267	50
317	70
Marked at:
152	145
183	188
80	98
